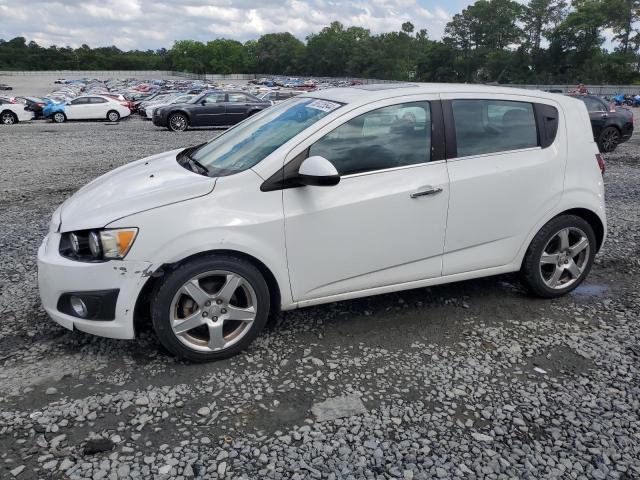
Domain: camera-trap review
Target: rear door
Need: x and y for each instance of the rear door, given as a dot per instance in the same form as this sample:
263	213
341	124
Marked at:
210	112
98	107
503	176
384	223
238	105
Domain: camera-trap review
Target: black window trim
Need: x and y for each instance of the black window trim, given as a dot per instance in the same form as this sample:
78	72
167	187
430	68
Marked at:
451	148
278	181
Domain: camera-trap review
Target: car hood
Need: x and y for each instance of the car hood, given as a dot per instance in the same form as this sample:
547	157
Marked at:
138	186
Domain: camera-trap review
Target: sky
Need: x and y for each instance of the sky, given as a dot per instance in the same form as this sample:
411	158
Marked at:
152	24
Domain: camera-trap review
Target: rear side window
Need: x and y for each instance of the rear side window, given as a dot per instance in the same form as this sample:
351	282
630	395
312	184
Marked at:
490	126
97	100
388	137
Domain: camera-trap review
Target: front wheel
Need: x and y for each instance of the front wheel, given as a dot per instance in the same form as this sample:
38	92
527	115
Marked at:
59	117
177	122
113	116
210	308
559	257
608	139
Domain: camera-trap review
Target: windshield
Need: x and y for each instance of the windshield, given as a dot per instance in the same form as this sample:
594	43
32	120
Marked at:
249	142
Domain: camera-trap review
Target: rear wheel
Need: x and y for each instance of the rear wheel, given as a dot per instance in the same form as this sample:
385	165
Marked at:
210	308
113	116
8	118
608	139
559	257
59	117
177	122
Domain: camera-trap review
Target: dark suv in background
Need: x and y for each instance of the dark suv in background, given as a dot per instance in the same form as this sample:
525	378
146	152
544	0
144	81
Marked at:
611	125
211	109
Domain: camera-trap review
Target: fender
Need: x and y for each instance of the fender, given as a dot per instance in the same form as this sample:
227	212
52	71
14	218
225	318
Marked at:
571	199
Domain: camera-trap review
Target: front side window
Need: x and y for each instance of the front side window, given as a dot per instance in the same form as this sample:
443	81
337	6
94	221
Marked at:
490	126
80	101
388	137
250	141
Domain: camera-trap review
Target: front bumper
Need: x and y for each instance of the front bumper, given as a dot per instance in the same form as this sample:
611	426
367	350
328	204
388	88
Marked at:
58	275
159	120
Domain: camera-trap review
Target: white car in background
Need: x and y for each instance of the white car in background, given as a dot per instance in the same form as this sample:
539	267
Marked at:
178	99
381	188
11	113
92	107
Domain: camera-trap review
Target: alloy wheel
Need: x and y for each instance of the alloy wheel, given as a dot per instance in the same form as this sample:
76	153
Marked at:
610	140
213	311
564	258
113	117
58	117
7	119
178	122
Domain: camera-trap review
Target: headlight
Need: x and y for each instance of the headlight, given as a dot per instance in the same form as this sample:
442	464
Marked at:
98	245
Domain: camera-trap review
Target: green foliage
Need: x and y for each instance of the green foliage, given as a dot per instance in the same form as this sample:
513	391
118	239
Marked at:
505	41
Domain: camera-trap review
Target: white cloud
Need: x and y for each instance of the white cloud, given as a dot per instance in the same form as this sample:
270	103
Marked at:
153	24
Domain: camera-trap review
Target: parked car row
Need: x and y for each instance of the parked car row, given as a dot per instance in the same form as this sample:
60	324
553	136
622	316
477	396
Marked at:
181	104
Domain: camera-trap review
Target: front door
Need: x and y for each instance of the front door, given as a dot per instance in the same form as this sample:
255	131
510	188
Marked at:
78	109
384	223
211	111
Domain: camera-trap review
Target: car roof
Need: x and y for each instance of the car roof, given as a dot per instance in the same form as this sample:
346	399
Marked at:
362	94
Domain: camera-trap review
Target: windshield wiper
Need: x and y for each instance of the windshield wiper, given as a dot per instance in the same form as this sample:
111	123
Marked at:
196	163
188	161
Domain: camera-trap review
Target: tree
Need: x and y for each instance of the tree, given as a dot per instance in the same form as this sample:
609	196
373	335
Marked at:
279	53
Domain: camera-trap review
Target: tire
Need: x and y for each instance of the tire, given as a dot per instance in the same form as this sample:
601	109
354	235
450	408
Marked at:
199	326
8	118
177	122
608	139
113	116
59	117
554	263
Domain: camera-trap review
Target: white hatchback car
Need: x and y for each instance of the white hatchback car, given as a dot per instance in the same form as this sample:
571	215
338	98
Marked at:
92	107
328	196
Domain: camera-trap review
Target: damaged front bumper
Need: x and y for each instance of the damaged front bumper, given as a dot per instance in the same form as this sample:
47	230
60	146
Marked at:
59	276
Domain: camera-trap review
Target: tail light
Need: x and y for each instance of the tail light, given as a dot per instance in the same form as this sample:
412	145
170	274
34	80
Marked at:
41	104
601	164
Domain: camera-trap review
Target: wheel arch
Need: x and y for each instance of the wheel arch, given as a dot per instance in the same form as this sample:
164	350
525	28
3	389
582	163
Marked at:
592	219
6	110
181	111
141	310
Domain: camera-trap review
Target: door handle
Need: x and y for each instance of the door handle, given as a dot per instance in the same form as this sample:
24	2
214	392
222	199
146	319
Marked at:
424	191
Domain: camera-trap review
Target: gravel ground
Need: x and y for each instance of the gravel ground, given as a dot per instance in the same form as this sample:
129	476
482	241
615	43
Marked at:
470	380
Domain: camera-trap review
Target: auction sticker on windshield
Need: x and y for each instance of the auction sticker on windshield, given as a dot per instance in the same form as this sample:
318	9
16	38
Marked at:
323	105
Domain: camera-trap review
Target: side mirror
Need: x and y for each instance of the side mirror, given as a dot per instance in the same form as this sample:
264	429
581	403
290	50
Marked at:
203	102
318	171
